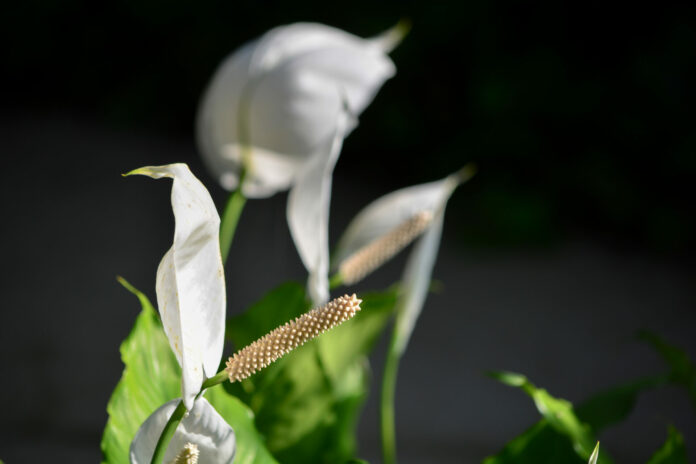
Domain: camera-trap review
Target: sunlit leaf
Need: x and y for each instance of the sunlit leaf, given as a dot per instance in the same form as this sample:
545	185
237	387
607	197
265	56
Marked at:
250	445
151	377
672	451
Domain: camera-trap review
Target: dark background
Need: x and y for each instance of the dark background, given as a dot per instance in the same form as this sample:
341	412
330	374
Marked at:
577	231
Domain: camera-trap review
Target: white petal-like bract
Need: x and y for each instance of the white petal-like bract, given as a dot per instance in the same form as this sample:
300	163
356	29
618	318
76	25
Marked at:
190	280
201	426
386	214
308	215
416	281
277	98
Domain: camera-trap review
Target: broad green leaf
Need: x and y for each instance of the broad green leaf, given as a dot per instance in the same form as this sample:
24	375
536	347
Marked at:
151	377
673	451
683	370
614	405
250	445
351	341
307	403
559	417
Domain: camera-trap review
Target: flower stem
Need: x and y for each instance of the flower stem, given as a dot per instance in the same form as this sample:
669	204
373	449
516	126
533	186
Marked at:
214	380
391	368
178	414
335	281
230	218
168	433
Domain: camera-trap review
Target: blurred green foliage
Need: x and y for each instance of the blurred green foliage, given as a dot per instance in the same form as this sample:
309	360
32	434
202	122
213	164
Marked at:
307	404
565	433
673	451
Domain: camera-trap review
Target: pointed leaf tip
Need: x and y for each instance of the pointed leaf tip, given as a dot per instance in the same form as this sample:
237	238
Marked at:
127	285
594	455
512	379
391	38
467	172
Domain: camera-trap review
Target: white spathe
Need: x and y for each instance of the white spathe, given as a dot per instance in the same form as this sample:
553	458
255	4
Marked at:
279	108
281	96
390	211
309	227
190	280
201	426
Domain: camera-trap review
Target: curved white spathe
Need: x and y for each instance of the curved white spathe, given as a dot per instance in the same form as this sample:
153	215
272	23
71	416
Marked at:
201	426
272	105
190	280
389	212
309	226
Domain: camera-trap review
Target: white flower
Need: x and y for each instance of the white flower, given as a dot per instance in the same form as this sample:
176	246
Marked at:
190	280
202	430
396	217
280	107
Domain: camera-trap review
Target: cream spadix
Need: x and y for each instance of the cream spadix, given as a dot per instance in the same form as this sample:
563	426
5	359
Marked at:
190	281
277	343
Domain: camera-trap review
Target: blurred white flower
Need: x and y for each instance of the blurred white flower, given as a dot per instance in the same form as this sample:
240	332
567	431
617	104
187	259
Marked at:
203	435
279	108
190	280
386	226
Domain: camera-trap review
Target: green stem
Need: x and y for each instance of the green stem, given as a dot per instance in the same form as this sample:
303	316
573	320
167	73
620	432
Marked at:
177	415
335	281
168	433
214	380
230	218
391	368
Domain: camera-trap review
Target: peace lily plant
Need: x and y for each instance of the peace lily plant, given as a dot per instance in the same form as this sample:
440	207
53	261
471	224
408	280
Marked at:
274	118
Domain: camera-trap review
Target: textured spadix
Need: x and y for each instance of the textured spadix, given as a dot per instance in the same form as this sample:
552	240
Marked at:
286	338
188	455
382	249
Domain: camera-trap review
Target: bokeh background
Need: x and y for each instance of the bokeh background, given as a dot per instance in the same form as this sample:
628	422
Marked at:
577	231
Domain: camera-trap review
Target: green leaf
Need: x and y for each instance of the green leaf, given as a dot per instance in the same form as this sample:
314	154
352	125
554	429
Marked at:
683	370
307	403
673	451
541	443
351	341
151	377
614	405
250	445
